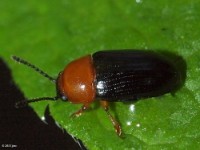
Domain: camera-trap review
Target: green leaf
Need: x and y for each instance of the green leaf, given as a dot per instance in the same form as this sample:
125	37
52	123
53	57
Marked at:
50	34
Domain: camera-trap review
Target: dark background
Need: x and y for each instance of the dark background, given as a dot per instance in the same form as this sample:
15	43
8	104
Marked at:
22	128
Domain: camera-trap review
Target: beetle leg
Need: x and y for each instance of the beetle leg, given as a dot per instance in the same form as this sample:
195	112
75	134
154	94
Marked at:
80	111
116	125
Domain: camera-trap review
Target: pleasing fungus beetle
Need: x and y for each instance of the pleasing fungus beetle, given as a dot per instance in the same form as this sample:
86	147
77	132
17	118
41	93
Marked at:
111	76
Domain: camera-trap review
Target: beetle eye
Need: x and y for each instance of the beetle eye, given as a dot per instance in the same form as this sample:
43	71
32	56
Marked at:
64	98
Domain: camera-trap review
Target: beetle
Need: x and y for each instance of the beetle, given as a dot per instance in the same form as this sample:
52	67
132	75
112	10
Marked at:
111	76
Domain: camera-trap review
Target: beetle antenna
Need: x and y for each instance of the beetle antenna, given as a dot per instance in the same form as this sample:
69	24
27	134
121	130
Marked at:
26	63
24	103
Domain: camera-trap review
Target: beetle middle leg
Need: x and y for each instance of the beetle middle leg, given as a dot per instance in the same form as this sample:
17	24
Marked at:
80	111
116	125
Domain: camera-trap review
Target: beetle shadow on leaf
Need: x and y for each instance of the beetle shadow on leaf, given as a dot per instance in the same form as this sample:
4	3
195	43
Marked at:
112	108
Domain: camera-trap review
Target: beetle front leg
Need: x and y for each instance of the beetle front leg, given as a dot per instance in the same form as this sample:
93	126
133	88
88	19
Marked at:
80	111
116	125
